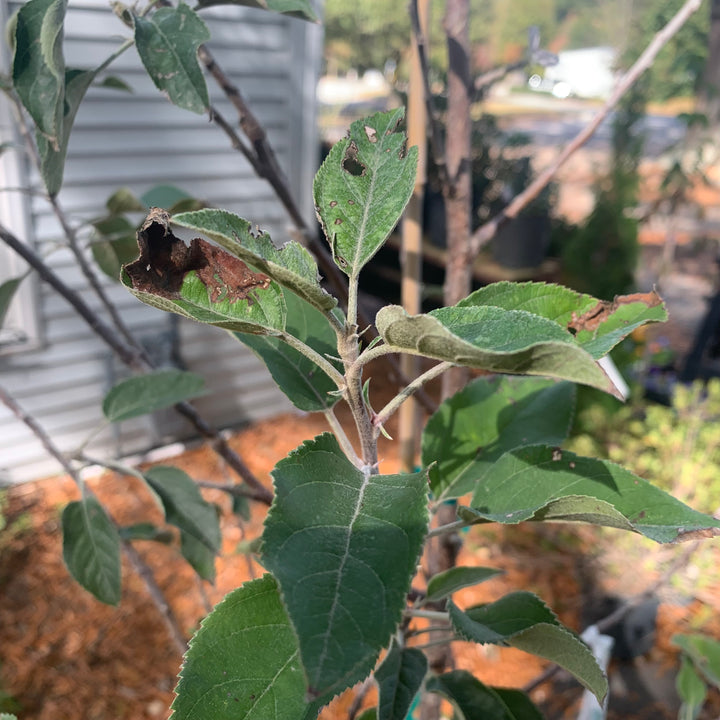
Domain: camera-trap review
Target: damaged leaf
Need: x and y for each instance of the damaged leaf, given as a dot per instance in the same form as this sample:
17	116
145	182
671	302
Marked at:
597	325
291	266
362	188
201	281
167	43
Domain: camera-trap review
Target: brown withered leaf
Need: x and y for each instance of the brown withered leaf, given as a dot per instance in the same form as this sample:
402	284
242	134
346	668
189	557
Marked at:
165	260
596	316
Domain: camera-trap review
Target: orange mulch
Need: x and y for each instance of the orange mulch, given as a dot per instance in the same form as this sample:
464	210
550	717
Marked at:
65	656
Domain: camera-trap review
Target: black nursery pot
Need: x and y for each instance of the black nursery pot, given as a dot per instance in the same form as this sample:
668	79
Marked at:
522	242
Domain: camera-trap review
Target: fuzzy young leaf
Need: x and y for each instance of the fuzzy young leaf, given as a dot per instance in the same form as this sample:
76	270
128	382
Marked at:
243	663
472	699
490	416
201	282
362	188
544	483
307	386
343	546
7	293
153	391
598	325
38	70
167	43
91	549
705	654
291	266
301	9
446	583
399	678
184	505
491	338
523	621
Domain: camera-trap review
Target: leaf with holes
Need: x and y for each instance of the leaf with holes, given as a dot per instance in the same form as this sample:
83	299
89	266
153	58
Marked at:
243	663
167	43
91	549
491	338
291	266
362	188
184	506
544	483
490	416
597	325
399	679
343	546
307	386
201	282
153	391
523	621
472	699
301	9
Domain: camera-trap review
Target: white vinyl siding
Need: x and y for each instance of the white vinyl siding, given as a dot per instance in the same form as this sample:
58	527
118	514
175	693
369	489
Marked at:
140	140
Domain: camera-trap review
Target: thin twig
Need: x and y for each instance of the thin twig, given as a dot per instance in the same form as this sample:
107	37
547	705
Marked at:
427	614
449	528
139	565
486	232
382	417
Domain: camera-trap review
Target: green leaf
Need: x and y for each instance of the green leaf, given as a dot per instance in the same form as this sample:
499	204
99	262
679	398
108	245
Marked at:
112	82
446	583
145	531
91	549
474	700
597	325
198	555
307	386
116	244
295	8
705	654
490	416
362	188
344	547
490	338
167	43
292	266
369	714
543	483
184	505
399	679
8	716
38	70
163	196
691	689
201	282
243	663
523	621
144	394
124	200
7	292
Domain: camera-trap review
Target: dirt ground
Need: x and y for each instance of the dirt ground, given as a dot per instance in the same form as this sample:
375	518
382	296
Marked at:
65	656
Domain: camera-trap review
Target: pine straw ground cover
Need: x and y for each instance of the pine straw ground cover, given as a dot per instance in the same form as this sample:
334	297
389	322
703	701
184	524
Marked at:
64	656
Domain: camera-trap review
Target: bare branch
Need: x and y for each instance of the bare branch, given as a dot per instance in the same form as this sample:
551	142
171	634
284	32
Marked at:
486	232
139	565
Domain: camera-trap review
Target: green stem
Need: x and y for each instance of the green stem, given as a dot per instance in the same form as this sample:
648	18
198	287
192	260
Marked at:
375	352
427	614
352	307
449	528
382	417
325	365
342	437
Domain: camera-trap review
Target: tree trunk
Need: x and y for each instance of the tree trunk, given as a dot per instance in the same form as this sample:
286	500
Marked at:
710	90
442	551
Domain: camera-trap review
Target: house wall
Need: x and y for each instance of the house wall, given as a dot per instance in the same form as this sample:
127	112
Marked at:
139	140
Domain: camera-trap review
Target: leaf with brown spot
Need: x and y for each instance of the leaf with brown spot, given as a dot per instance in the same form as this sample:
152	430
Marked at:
201	281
